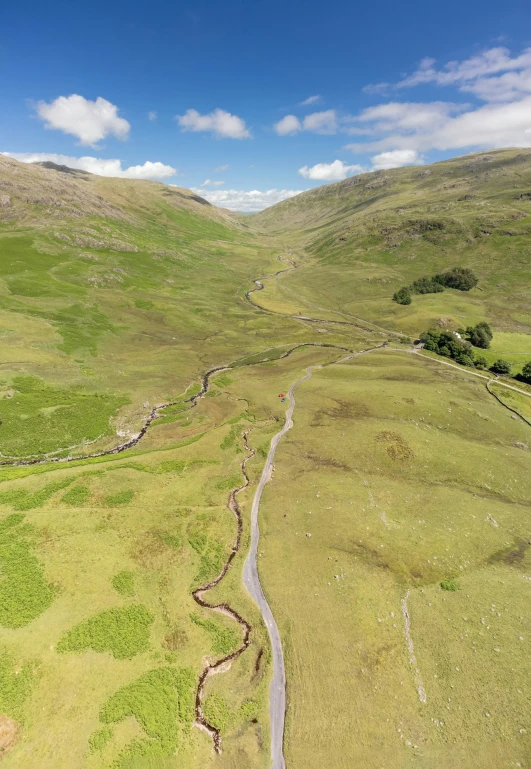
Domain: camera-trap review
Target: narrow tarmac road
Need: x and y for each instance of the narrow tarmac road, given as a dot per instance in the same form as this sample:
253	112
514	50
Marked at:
251	580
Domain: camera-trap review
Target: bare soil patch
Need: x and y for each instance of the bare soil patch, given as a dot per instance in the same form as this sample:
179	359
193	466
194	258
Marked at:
9	734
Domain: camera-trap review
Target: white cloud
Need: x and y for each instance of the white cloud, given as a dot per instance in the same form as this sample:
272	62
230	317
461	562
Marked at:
493	75
318	122
310	100
219	122
488	62
330	172
99	166
219	169
379	88
152	115
489	126
245	201
403	116
90	121
211	183
288	125
396	159
321	122
505	88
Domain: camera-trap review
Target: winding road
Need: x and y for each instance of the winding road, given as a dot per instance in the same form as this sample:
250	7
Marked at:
251	580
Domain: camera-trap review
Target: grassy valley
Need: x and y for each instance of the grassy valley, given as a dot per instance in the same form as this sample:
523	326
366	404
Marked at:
394	550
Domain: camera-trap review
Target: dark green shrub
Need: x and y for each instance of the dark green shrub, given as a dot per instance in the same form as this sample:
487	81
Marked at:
480	362
450	584
501	367
426	286
465	359
402	296
449	345
460	278
526	372
480	335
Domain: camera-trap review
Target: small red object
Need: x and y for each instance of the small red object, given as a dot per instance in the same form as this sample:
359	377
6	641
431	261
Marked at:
281	395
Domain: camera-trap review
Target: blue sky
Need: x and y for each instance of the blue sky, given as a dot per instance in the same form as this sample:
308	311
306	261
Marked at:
214	91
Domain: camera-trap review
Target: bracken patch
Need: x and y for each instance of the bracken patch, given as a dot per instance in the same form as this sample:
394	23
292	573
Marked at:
398	448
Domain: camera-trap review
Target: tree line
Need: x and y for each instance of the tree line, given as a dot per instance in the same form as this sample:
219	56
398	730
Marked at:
460	347
460	278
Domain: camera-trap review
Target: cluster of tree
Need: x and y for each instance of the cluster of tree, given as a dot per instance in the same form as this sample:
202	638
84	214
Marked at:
525	376
460	278
450	345
480	335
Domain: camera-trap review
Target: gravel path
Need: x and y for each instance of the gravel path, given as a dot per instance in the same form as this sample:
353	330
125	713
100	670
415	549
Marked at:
277	701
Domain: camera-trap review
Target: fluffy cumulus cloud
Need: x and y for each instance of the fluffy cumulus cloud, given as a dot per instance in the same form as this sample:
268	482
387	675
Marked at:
321	122
318	122
89	121
220	123
100	166
244	201
310	100
289	125
329	172
396	159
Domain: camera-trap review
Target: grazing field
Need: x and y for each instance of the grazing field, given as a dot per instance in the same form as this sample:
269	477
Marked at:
395	529
396	560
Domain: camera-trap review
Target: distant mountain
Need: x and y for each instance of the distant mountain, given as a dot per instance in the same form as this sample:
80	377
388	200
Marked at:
41	193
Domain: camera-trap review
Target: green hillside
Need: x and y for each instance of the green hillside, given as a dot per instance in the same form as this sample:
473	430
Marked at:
371	234
123	292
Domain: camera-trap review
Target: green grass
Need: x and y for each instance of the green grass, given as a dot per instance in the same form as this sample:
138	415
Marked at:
24	592
99	739
123	631
120	498
15	685
39	418
124	583
161	701
403	474
211	554
450	584
224	640
76	496
21	499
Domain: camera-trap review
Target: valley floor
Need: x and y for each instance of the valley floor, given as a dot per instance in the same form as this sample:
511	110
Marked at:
394	548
